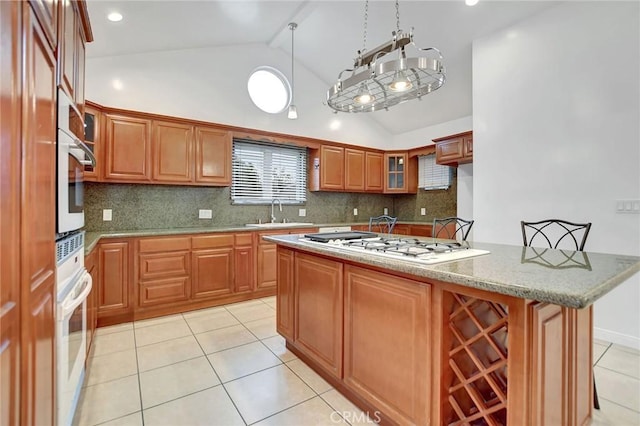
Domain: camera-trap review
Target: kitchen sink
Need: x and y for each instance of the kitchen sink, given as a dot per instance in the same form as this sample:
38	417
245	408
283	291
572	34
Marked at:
278	225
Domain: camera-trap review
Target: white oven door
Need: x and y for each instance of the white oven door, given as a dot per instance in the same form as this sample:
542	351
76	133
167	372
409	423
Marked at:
71	163
71	337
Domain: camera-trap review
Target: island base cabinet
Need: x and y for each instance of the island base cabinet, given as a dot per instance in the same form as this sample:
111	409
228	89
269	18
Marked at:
318	311
386	352
284	294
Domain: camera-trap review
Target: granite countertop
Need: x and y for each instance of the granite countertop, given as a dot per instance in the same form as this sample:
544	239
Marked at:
92	237
561	277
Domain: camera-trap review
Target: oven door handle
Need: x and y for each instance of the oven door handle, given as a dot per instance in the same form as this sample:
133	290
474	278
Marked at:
85	149
70	306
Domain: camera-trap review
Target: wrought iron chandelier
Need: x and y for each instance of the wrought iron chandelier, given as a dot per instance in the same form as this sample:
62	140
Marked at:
378	81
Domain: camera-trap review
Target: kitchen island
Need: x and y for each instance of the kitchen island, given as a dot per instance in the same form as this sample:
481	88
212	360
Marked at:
502	338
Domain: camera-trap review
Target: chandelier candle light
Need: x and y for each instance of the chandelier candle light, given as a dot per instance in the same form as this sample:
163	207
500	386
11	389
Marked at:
377	82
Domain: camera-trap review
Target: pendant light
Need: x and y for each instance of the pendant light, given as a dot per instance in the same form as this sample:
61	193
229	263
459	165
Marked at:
293	111
377	82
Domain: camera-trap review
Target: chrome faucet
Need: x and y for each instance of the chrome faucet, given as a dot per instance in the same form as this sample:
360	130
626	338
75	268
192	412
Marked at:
273	202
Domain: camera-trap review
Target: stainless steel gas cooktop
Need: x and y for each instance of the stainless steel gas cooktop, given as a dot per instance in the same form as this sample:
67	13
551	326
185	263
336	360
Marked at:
411	249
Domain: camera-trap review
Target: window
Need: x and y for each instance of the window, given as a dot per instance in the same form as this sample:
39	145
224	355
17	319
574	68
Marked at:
432	175
262	172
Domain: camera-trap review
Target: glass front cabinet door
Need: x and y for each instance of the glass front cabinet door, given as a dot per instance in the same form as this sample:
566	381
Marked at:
395	172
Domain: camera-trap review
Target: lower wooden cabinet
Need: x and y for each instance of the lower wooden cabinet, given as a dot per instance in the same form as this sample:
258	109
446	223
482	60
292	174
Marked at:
284	294
244	262
386	330
318	311
212	272
266	265
114	282
91	264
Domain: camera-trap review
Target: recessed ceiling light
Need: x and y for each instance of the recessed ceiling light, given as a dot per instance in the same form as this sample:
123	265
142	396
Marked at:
114	17
470	2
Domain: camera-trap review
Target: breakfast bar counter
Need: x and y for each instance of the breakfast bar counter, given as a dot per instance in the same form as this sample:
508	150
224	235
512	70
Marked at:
499	338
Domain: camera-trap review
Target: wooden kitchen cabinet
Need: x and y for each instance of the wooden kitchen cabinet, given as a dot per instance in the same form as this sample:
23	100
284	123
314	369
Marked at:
401	229
383	313
213	156
354	169
114	282
172	151
127	153
71	52
243	262
164	268
331	167
92	138
400	173
421	230
212	273
454	149
38	220
374	168
285	294
318	311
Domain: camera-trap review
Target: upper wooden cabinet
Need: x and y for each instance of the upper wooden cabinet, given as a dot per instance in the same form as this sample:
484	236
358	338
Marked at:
71	52
213	156
172	152
455	149
335	168
127	153
92	138
400	173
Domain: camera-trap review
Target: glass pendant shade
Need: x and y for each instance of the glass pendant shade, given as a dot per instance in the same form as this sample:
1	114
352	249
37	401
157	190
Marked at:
364	96
293	112
400	82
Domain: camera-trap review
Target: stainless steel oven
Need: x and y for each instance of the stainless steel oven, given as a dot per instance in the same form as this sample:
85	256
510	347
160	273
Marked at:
73	156
73	285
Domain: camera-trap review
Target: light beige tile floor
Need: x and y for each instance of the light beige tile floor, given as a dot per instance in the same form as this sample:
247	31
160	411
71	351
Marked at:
227	366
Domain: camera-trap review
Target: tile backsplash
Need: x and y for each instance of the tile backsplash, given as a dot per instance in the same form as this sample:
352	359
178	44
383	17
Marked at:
167	206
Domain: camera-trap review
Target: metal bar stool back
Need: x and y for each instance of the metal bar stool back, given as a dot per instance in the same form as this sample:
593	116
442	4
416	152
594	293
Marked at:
451	227
382	224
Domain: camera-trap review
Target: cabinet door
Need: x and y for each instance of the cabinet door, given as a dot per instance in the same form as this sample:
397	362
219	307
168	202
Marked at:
92	301
244	266
67	47
354	167
212	272
331	167
47	14
10	110
467	149
113	282
318	311
172	152
92	120
80	68
450	151
127	149
374	168
395	170
213	156
38	230
402	229
266	265
389	317
285	294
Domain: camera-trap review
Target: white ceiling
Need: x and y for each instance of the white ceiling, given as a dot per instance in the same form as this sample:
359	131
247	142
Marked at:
327	39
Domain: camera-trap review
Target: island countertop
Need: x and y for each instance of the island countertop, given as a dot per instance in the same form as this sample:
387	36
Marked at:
561	277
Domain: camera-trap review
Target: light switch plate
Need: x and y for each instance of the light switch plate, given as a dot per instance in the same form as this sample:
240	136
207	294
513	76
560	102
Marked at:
302	212
423	211
107	215
205	214
385	211
628	206
355	212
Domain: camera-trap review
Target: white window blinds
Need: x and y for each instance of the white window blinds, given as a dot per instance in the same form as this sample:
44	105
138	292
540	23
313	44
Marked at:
262	172
432	175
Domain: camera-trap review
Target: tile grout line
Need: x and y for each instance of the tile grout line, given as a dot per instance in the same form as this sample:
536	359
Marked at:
218	377
139	382
618	372
618	405
600	357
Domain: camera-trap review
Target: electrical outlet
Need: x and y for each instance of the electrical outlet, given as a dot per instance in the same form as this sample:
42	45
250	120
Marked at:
302	212
423	211
385	211
205	214
628	206
107	215
355	212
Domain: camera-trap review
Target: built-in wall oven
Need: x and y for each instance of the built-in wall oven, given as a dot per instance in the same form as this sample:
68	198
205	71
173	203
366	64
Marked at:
73	156
73	285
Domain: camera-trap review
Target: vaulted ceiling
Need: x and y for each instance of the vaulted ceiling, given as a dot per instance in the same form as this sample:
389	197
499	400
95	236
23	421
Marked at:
327	39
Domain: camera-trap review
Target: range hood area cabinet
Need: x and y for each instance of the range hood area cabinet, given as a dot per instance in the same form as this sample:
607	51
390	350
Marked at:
141	148
336	168
454	149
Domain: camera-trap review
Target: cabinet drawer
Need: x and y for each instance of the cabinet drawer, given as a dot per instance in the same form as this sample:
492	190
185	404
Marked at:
152	245
164	264
449	150
245	239
164	291
212	241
